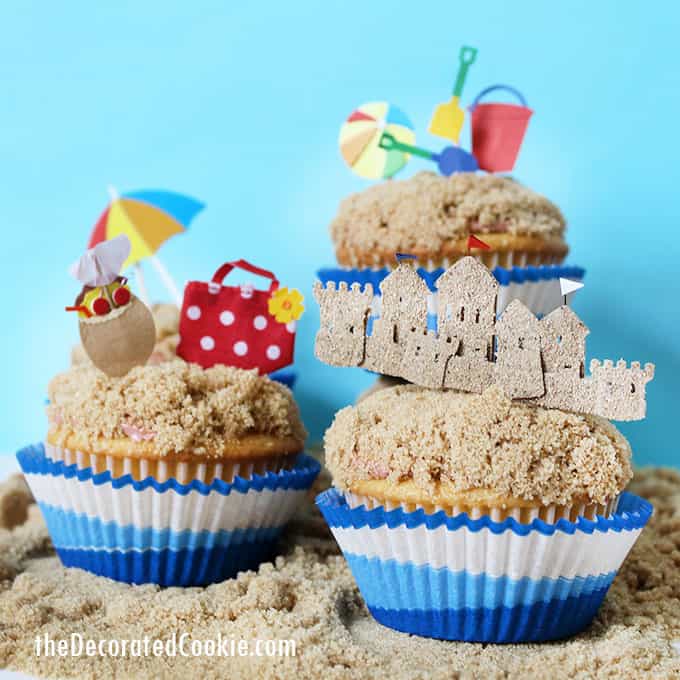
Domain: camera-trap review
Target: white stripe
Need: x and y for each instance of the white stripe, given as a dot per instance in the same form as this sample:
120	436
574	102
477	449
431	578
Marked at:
534	556
148	508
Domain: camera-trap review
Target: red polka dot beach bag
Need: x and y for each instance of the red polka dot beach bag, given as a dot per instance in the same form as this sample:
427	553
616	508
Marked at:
233	325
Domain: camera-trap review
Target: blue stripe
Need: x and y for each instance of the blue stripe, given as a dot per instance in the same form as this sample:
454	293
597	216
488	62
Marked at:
387	584
632	513
504	276
200	566
73	530
287	378
538	622
34	461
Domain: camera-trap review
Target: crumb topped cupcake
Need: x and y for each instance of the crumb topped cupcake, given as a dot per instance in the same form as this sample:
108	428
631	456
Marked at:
431	217
480	454
476	518
176	412
171	474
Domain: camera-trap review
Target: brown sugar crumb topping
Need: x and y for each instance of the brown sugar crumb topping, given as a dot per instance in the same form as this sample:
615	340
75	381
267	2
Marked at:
184	407
427	210
477	442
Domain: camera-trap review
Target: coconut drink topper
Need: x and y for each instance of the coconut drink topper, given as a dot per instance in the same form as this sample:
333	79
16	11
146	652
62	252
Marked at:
116	329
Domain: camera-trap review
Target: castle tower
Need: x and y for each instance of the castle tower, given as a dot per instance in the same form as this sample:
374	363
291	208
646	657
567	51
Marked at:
426	357
403	313
518	356
619	391
341	338
466	299
563	343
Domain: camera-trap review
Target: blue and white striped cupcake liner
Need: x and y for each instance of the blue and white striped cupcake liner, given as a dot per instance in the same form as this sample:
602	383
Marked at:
478	580
164	532
537	287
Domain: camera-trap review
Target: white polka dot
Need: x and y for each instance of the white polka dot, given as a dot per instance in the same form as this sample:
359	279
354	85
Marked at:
240	348
227	318
260	322
207	343
247	291
291	326
194	312
273	352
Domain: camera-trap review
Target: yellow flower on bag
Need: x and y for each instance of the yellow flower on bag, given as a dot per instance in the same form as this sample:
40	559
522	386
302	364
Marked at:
286	305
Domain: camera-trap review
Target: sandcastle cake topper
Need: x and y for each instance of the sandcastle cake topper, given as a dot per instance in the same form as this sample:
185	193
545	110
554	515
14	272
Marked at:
378	139
541	362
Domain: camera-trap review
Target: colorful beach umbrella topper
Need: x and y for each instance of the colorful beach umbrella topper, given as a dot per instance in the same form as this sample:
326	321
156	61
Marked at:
360	140
148	218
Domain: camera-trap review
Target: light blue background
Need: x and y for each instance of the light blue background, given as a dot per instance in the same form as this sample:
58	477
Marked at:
239	104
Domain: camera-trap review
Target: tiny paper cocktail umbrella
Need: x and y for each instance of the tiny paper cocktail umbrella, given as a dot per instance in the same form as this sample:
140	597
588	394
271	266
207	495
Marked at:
148	218
447	119
100	265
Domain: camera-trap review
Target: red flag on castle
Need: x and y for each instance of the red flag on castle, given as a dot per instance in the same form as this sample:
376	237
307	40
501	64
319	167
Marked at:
474	242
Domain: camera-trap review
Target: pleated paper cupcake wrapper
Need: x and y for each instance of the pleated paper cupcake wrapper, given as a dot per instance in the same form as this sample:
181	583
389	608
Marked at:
548	513
164	532
490	258
536	287
477	580
162	470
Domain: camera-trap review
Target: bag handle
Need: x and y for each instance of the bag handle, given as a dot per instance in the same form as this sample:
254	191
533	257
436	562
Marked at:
227	267
491	88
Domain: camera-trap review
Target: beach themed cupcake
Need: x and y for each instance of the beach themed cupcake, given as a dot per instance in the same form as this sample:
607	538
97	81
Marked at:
474	517
435	220
431	216
168	471
171	473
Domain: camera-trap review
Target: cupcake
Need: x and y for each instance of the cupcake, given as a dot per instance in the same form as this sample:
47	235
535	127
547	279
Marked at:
476	518
430	217
171	474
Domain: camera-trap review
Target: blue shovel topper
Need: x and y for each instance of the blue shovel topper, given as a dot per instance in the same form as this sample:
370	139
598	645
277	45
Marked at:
449	160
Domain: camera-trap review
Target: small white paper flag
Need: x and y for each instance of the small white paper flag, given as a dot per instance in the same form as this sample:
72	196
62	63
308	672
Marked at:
568	286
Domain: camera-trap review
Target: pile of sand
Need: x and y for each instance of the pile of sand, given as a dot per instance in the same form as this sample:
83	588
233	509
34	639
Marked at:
309	595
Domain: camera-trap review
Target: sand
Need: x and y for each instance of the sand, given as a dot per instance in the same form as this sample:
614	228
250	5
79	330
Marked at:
309	595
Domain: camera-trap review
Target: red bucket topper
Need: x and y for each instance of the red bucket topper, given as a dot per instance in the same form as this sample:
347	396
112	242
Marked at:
498	130
239	325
